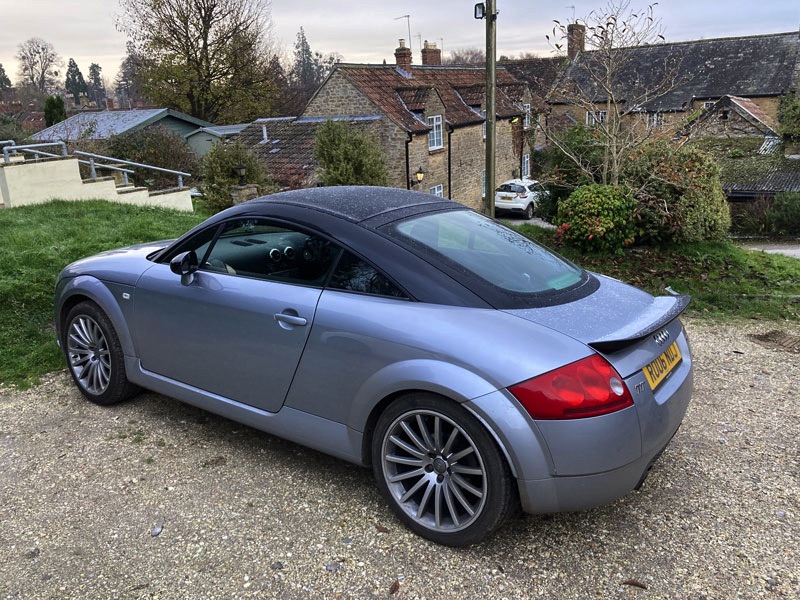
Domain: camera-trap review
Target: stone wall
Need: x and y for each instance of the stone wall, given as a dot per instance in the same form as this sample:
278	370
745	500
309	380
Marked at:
339	97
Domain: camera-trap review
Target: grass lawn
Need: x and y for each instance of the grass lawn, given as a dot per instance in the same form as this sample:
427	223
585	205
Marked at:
724	281
36	242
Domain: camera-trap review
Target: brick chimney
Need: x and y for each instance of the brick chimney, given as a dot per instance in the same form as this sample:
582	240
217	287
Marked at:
576	39
403	57
431	55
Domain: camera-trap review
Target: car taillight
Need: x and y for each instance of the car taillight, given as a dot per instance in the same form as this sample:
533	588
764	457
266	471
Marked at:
587	388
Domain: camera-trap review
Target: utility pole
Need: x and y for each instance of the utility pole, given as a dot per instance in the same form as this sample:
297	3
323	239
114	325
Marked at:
491	112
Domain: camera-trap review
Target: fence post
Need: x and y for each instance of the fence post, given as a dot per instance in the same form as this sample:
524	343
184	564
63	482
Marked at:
92	169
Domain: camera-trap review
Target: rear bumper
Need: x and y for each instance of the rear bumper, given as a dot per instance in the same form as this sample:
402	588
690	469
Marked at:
581	492
517	205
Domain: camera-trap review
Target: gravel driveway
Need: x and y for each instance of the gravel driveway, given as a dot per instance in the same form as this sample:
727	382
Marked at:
153	498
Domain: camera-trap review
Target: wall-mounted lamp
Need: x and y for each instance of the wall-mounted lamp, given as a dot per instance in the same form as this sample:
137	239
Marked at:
419	175
241	171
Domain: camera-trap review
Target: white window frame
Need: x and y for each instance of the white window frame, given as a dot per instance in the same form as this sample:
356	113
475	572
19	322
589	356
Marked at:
435	139
655	120
596	117
437	190
526	122
483	184
483	114
526	165
708	104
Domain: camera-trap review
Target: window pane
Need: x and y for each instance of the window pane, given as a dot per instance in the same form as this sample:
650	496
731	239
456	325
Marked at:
355	275
261	249
473	244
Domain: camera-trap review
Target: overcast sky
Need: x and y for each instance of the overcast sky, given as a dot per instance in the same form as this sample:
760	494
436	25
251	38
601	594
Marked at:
368	30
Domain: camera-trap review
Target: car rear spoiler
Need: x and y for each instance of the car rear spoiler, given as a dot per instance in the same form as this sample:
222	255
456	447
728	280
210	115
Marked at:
609	346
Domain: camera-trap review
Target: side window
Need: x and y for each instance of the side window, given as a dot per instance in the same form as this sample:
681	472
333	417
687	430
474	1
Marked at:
263	249
355	275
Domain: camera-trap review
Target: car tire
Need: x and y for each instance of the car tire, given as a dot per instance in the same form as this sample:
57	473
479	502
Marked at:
529	212
94	355
441	471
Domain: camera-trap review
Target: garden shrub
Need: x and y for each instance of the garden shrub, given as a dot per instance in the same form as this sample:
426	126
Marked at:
218	170
156	146
679	195
785	214
597	218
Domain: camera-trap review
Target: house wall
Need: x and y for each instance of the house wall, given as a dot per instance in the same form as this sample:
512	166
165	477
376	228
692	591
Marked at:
460	161
337	96
201	142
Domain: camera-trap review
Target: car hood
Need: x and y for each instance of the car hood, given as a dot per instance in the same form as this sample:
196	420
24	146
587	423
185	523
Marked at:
613	317
123	265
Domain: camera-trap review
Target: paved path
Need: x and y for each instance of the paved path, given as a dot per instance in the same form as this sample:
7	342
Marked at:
792	250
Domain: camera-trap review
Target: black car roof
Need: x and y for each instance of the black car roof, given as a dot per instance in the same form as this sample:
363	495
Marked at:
358	203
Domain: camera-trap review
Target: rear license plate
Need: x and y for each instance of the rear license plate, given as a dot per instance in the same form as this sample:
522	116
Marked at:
662	366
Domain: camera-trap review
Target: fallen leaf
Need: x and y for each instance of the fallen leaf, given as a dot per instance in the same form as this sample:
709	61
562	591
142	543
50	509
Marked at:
395	587
634	583
381	528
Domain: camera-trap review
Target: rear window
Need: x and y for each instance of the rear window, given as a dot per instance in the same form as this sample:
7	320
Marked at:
471	246
506	187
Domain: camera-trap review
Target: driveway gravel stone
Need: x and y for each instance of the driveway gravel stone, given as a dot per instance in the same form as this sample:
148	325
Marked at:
155	499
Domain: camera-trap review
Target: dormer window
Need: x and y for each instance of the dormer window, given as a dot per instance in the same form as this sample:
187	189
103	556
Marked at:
435	141
526	109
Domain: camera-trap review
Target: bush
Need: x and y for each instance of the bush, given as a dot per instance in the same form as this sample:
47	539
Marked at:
785	214
218	170
597	218
348	155
679	195
156	146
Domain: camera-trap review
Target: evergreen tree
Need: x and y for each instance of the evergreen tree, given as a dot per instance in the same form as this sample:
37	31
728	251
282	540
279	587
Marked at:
75	83
54	110
5	82
308	71
348	156
97	89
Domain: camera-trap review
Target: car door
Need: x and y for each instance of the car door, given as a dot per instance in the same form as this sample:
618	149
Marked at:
239	328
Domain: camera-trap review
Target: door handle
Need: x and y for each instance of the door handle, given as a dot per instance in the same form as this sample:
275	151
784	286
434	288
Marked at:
283	318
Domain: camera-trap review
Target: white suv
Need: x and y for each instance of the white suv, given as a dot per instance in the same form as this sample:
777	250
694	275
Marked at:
519	195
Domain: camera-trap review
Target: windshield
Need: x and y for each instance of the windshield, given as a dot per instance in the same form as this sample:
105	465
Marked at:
476	246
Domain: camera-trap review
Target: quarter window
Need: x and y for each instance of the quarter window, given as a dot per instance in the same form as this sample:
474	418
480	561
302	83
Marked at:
435	134
355	275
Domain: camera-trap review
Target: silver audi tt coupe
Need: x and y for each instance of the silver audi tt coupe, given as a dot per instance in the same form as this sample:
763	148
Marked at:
472	369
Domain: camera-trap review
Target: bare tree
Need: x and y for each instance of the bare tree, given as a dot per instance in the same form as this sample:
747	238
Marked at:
197	54
607	85
38	64
466	56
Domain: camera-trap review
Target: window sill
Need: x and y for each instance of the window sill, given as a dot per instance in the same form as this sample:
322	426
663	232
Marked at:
436	150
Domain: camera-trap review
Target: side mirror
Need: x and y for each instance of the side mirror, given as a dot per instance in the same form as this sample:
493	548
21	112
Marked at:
185	265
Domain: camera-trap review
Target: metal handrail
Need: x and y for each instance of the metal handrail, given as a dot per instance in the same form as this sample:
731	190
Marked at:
7	157
125	172
7	142
93	156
